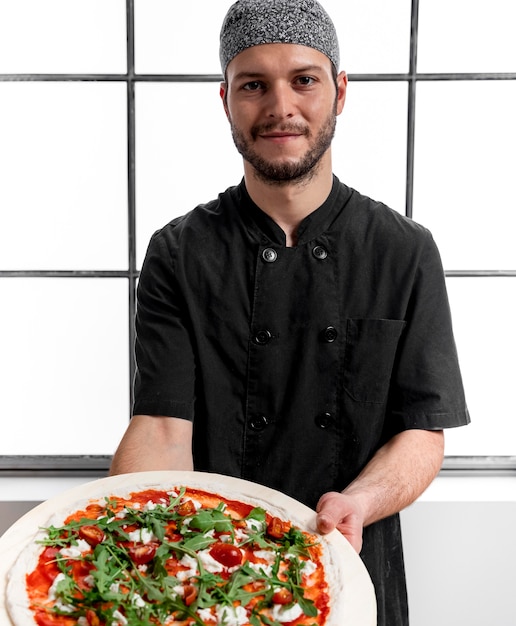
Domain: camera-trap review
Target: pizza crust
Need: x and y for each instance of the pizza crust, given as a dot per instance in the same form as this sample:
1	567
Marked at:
351	592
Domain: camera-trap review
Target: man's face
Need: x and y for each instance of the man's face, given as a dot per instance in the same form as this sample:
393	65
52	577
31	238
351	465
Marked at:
282	101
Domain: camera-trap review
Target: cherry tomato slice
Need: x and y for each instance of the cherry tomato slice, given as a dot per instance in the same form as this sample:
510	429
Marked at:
92	618
186	508
49	568
142	553
190	594
92	534
282	596
276	528
226	554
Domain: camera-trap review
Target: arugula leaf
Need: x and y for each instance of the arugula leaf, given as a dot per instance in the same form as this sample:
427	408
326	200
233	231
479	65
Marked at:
195	542
211	519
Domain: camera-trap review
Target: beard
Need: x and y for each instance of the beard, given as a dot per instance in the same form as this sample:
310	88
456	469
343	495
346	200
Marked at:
282	173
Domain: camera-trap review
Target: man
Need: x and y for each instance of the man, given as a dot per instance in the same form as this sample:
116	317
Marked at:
294	332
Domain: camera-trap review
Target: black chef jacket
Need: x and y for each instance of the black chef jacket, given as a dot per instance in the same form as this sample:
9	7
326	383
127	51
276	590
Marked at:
297	363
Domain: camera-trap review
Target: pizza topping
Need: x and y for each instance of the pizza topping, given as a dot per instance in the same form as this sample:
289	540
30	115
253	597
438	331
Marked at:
161	558
227	554
91	534
142	554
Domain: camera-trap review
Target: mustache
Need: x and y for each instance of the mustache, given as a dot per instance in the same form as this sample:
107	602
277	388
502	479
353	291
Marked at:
273	127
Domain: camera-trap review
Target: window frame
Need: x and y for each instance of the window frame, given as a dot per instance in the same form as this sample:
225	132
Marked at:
97	465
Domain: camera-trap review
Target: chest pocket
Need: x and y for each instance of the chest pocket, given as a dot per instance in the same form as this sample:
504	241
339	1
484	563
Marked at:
369	357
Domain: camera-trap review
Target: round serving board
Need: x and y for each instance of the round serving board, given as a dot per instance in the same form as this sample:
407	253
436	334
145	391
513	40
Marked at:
353	597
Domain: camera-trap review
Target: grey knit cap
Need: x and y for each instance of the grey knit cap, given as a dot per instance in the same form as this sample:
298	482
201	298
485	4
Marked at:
253	22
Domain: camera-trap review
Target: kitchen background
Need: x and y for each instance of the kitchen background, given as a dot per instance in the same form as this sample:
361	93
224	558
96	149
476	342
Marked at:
111	125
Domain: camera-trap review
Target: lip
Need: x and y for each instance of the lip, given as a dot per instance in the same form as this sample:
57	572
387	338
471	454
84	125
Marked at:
280	137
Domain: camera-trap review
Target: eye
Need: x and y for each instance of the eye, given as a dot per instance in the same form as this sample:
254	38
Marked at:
253	85
305	81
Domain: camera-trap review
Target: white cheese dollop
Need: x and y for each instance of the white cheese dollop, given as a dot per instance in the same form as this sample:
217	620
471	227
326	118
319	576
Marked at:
138	601
261	567
253	524
309	568
191	563
206	616
240	535
266	555
53	586
118	619
142	535
74	552
231	616
286	614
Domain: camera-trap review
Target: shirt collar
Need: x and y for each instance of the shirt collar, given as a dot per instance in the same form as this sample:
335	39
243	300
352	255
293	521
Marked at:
312	225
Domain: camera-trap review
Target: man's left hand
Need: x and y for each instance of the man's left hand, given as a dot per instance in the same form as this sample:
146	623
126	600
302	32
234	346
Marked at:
340	511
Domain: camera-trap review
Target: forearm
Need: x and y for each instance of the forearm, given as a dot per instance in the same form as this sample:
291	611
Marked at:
154	443
398	474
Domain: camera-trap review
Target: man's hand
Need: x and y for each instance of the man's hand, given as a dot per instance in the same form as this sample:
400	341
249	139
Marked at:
397	474
340	511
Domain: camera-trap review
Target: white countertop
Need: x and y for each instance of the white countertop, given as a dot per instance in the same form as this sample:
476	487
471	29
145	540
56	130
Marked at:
445	488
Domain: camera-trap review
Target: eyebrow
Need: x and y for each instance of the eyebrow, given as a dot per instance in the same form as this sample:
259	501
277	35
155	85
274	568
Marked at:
301	70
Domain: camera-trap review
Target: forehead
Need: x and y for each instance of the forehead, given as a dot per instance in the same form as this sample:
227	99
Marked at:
277	58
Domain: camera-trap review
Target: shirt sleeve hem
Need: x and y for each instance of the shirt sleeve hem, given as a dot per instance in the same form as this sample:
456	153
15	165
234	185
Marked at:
434	421
165	408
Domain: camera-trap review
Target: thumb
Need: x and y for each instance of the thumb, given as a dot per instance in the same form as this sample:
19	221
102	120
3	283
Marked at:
325	523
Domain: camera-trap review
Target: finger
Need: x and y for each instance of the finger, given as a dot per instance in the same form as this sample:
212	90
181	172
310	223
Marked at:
325	523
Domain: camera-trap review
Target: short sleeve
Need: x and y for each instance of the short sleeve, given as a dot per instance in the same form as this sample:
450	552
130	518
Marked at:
165	364
427	390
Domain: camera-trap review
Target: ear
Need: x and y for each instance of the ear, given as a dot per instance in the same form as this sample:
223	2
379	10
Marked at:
223	96
342	85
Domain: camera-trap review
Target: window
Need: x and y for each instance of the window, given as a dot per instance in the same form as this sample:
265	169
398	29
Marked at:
111	125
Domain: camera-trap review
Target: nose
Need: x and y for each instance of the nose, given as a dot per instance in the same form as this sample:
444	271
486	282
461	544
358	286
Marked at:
280	104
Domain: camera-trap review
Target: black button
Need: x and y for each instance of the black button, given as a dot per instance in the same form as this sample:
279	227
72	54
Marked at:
262	337
324	420
258	422
329	334
319	252
269	255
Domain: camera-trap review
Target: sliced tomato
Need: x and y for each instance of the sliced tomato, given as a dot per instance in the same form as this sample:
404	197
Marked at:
282	596
92	534
141	554
48	566
226	554
190	594
92	618
276	528
186	508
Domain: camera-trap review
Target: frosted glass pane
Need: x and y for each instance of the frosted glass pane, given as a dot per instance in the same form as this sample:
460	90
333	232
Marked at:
185	153
63	172
466	36
484	310
374	35
465	171
174	38
64	376
370	146
62	36
178	37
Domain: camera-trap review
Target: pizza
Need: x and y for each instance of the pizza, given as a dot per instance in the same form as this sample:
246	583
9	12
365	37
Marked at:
171	556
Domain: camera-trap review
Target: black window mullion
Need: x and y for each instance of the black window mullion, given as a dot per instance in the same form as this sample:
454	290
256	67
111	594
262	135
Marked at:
131	192
411	109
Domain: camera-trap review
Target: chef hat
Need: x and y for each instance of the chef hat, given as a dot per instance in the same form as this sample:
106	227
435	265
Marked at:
253	22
